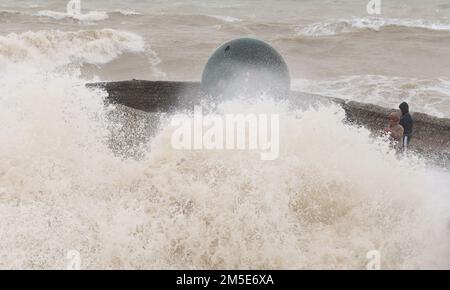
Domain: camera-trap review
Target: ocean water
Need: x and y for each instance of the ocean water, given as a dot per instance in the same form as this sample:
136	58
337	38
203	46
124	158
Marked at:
325	43
334	194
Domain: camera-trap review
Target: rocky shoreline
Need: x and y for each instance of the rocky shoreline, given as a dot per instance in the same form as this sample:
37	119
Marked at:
431	134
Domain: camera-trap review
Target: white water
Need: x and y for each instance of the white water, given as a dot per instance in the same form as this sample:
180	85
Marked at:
333	195
90	16
356	24
430	96
321	41
57	48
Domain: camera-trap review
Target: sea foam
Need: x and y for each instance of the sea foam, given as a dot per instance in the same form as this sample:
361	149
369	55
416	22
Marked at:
372	23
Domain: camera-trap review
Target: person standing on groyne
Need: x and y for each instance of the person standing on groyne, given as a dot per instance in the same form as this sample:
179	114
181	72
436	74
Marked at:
407	123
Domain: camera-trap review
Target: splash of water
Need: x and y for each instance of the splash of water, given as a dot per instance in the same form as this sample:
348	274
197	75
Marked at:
333	194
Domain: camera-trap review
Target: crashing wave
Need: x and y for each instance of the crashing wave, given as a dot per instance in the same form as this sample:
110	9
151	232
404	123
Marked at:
55	47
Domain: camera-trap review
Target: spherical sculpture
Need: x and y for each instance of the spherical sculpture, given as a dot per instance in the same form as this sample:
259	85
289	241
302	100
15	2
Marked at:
246	67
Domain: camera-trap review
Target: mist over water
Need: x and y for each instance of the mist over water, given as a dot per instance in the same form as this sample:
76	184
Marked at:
334	193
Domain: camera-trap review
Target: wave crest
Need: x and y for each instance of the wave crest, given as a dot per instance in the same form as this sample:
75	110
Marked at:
56	48
431	96
376	24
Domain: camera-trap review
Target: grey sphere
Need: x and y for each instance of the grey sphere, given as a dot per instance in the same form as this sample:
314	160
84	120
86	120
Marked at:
246	67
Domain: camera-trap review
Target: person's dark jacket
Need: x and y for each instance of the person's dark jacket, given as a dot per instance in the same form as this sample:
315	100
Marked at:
406	121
